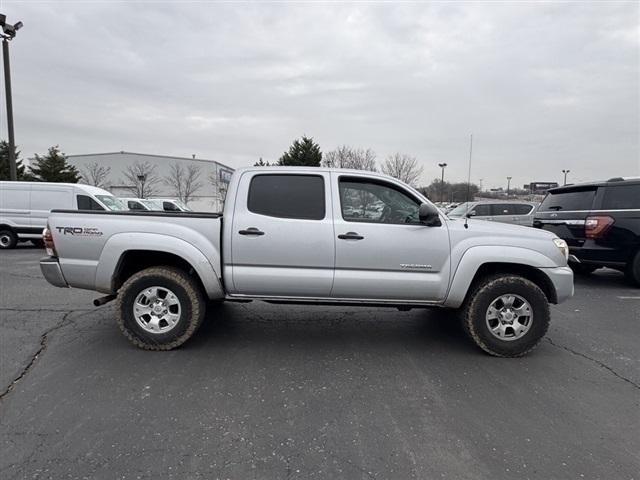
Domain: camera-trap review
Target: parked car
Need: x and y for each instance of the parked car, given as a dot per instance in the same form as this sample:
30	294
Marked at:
142	204
600	222
25	207
288	235
518	213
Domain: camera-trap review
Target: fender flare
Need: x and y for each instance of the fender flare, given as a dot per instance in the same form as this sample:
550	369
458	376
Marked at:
475	257
119	244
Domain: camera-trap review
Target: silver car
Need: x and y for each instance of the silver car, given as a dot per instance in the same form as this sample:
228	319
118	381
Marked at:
517	213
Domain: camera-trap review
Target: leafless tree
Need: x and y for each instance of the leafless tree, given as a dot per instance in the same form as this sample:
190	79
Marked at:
95	174
348	157
184	181
220	188
403	167
142	178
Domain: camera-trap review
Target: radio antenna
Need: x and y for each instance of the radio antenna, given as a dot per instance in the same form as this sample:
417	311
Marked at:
466	215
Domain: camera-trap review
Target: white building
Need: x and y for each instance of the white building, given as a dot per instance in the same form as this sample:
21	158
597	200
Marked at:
127	174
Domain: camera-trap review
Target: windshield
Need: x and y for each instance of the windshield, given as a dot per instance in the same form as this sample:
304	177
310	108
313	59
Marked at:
182	205
152	204
460	210
112	203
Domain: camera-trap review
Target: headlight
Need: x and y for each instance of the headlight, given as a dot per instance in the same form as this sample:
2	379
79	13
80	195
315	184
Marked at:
562	245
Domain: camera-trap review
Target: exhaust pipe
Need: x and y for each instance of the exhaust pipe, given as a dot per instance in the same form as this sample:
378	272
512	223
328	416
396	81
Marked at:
102	300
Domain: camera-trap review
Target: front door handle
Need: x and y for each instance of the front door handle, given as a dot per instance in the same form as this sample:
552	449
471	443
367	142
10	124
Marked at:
251	231
350	236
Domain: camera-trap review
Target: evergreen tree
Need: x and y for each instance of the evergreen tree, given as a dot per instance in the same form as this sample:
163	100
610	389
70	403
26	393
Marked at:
261	163
53	167
304	152
4	162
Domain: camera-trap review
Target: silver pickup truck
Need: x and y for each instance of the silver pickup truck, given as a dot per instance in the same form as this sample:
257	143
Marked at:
317	236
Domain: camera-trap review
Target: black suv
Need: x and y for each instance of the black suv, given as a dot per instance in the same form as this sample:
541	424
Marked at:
600	222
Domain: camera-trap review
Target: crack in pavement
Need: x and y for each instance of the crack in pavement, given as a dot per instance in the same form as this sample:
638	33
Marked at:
9	309
43	345
597	362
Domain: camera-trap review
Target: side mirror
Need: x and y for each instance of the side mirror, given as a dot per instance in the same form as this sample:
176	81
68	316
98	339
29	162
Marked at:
429	215
472	213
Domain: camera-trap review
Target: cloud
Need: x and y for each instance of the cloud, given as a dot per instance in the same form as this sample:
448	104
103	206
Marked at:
541	86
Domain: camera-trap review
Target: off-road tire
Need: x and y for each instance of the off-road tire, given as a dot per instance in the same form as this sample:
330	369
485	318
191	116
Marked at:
8	239
185	287
582	269
632	271
483	293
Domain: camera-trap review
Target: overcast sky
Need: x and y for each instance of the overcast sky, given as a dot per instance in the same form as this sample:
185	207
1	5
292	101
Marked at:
542	86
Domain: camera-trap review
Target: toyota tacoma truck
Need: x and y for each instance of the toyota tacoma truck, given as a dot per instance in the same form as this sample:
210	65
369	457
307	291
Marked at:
315	236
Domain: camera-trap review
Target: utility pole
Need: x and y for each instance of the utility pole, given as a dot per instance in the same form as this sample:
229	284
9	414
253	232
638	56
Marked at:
509	185
442	166
8	33
481	183
565	175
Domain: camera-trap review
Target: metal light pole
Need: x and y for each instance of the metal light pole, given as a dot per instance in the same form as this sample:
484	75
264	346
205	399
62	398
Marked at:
565	175
8	33
442	166
142	179
509	185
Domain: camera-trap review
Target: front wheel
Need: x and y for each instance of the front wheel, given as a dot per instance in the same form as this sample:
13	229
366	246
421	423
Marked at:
506	315
160	308
632	271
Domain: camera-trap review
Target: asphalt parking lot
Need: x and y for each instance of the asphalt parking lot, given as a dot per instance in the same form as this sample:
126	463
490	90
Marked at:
268	391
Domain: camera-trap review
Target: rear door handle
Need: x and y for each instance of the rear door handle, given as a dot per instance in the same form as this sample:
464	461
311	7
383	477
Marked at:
251	231
350	236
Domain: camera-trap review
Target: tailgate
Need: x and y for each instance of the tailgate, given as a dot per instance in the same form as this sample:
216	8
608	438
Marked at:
564	211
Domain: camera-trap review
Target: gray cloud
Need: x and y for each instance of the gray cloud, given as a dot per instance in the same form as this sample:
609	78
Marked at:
542	86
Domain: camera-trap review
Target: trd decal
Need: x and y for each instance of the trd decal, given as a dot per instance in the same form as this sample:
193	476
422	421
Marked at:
80	231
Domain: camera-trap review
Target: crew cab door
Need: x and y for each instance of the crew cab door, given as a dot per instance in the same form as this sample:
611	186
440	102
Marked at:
282	241
383	252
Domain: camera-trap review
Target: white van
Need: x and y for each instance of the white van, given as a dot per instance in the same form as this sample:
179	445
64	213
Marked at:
25	207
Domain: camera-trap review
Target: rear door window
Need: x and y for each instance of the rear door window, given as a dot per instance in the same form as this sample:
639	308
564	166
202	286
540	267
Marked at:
571	200
623	197
288	196
521	209
498	209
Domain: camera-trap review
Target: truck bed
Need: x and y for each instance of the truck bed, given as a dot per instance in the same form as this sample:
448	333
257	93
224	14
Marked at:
90	243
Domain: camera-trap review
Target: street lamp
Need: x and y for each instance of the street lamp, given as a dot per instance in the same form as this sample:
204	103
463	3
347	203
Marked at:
8	34
565	175
141	179
442	166
509	185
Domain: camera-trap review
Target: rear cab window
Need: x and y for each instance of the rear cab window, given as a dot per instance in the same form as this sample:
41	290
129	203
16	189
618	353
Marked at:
295	196
568	200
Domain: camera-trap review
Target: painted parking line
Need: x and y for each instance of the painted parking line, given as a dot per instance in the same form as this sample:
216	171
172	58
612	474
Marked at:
629	298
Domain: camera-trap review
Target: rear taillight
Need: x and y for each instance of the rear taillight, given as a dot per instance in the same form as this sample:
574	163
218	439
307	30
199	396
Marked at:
596	227
49	246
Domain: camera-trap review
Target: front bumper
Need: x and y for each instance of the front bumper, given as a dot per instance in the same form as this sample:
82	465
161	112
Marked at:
52	272
562	279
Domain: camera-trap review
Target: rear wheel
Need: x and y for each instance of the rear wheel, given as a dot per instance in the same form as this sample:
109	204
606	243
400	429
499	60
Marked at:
8	239
633	270
506	315
582	269
160	308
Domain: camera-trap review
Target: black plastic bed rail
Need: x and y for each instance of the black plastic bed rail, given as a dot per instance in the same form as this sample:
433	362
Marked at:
147	213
